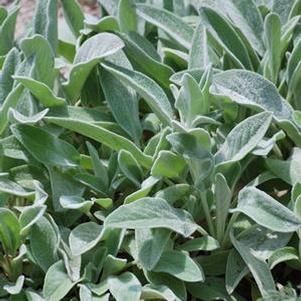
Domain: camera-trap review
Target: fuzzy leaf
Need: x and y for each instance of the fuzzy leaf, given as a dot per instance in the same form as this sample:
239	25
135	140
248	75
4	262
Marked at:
9	231
125	287
151	213
102	135
168	22
150	245
258	267
266	211
84	237
90	53
251	90
180	265
147	88
244	138
57	283
46	148
44	243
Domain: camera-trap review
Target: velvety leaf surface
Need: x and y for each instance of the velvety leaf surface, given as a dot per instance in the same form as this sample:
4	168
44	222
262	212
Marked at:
57	283
47	149
180	266
266	211
87	56
252	90
243	138
151	213
168	22
147	88
150	150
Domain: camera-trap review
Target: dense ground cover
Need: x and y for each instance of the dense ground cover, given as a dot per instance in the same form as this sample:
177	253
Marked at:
151	153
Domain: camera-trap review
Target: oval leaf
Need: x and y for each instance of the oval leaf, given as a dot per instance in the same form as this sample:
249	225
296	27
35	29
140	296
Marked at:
179	265
266	211
102	135
57	283
252	90
151	213
87	57
46	148
147	88
244	138
167	21
84	237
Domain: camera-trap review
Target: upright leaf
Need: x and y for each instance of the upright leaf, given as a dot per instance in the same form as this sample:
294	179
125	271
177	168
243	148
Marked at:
44	243
147	88
40	57
123	103
45	22
223	201
11	101
7	30
89	54
272	36
258	267
130	167
73	15
9	67
192	100
244	137
127	16
282	8
167	21
57	283
225	34
246	16
199	51
9	231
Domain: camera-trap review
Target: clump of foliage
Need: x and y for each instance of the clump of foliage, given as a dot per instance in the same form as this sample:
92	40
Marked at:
152	153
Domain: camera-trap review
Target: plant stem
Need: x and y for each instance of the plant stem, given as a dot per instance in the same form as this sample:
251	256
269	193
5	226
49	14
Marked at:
207	213
226	240
91	216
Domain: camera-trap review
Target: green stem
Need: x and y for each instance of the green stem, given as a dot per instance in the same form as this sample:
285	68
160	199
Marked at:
282	85
277	151
169	182
7	268
226	240
91	216
207	213
202	231
299	246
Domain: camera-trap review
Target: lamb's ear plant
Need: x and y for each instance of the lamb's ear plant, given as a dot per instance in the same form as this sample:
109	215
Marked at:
152	152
